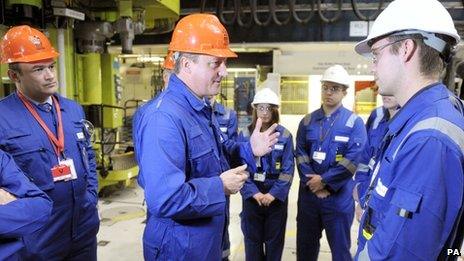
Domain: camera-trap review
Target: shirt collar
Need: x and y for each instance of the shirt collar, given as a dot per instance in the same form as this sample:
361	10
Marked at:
417	103
219	108
177	86
321	115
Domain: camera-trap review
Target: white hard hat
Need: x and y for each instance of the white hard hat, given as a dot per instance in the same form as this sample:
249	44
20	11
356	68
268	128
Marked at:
337	74
266	95
404	17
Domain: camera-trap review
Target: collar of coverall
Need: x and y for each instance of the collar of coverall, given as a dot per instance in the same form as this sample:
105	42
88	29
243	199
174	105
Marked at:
422	99
177	86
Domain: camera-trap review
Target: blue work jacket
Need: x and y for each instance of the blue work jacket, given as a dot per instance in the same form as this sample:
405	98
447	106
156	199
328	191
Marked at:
376	127
278	167
417	189
23	216
227	120
74	202
181	153
341	137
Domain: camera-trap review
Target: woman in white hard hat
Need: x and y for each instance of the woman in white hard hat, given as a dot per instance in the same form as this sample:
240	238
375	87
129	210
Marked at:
264	194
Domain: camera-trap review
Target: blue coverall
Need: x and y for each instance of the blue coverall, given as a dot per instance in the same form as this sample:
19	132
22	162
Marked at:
417	188
342	144
264	227
227	120
23	216
71	231
181	153
376	127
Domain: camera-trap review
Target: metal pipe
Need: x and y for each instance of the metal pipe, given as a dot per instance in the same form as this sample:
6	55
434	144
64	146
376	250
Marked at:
240	12
337	15
358	13
61	62
254	11
273	7
295	12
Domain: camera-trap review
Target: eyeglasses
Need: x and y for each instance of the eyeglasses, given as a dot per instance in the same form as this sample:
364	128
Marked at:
332	89
264	108
375	52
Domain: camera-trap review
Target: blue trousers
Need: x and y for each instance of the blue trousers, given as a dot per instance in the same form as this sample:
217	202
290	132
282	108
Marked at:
264	229
333	214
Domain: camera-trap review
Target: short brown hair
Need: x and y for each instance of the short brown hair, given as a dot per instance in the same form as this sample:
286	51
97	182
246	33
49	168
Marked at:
274	119
14	67
431	64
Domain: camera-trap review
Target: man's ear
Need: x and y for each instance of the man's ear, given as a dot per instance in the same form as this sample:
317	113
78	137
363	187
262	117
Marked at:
13	75
185	64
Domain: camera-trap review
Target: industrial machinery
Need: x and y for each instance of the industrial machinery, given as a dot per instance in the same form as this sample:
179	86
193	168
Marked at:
81	31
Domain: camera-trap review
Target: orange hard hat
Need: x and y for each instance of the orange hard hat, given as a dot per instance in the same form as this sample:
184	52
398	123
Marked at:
169	62
202	34
25	44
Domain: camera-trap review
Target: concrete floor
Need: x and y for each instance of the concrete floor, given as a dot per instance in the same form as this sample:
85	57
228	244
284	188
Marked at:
123	213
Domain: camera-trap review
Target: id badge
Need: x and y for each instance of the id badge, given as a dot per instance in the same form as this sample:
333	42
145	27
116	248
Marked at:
70	163
319	156
259	177
61	172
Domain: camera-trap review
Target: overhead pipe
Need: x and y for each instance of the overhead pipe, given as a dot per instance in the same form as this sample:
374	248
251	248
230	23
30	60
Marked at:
297	18
240	12
335	17
254	12
273	8
372	17
221	13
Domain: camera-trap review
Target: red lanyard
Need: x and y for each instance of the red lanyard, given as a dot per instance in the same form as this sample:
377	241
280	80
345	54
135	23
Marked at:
57	142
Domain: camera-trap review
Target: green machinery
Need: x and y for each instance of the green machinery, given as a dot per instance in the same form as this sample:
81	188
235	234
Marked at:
99	91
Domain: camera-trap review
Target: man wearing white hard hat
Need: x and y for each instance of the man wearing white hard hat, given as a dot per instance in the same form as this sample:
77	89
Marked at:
414	203
328	144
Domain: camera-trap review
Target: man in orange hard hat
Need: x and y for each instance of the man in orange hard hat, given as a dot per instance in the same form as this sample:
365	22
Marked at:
183	155
47	136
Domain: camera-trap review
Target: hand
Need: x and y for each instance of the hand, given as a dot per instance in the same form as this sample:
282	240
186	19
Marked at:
358	211
258	197
267	199
324	193
6	197
233	179
315	182
262	142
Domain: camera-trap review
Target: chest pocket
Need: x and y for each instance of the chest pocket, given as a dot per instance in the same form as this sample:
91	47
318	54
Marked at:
312	140
30	156
277	154
202	160
79	136
340	143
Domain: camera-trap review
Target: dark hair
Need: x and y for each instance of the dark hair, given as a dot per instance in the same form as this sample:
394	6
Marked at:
431	64
14	67
179	55
274	119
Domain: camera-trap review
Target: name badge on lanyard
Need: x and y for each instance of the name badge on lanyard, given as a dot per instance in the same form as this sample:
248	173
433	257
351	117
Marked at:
261	177
319	156
65	169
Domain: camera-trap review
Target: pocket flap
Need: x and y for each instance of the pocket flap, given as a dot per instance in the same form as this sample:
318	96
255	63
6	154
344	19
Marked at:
407	200
16	133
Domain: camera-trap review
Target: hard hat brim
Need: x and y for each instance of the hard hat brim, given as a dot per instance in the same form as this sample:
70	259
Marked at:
362	47
34	57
